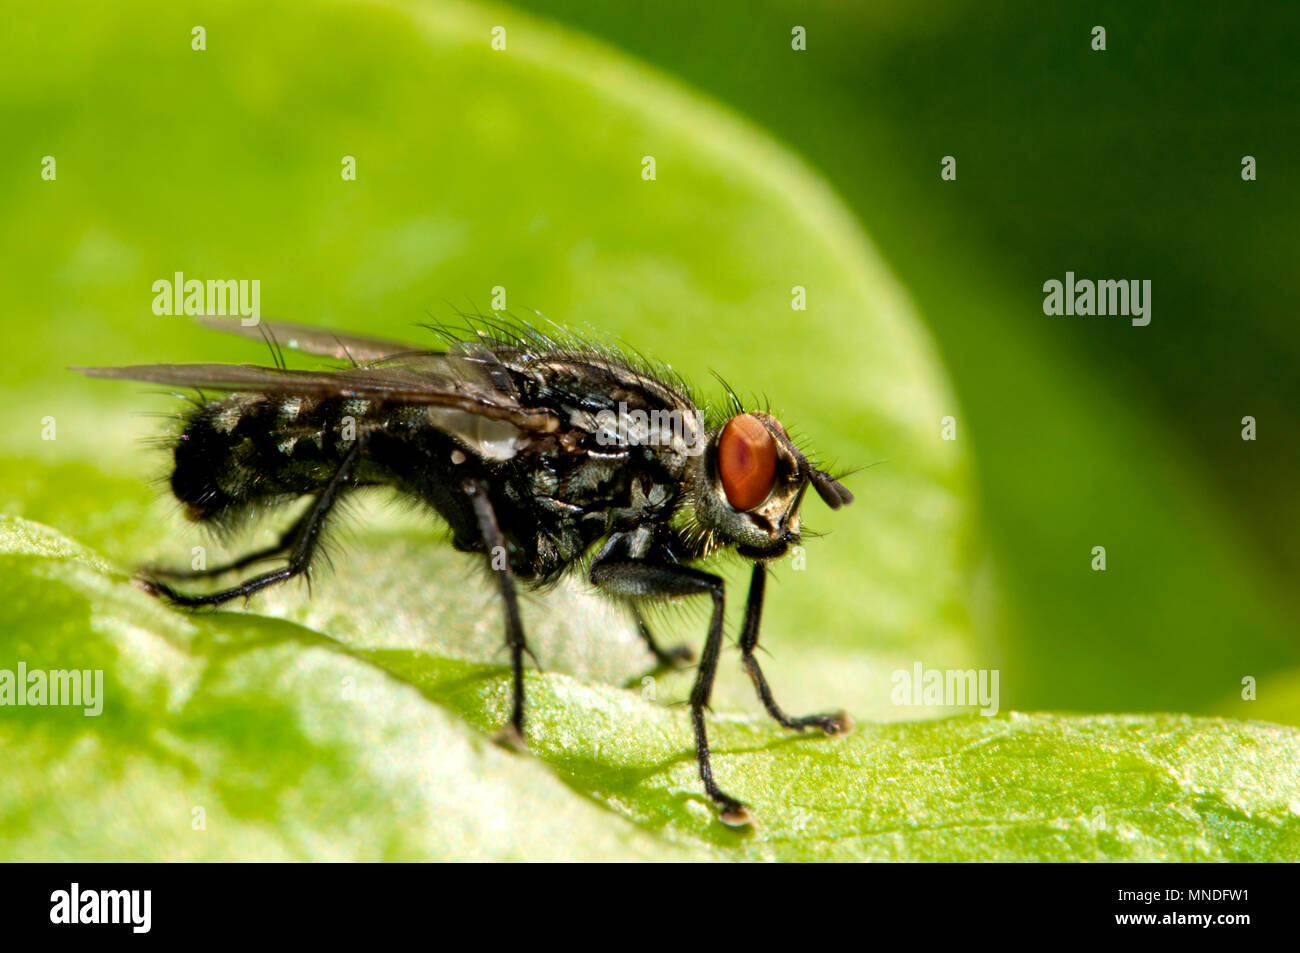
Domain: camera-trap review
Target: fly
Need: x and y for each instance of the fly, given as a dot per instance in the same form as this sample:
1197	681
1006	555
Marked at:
542	454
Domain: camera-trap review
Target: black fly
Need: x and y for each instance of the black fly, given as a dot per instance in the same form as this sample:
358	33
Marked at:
535	450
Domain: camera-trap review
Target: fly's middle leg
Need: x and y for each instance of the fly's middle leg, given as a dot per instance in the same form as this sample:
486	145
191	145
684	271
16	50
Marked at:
667	658
494	543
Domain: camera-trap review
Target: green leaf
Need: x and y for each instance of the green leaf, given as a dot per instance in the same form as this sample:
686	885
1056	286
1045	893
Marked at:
237	736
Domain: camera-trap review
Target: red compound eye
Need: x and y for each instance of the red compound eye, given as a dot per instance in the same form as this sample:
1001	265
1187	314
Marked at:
746	461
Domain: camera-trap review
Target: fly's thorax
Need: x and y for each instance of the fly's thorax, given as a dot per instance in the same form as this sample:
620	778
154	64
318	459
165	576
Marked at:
748	485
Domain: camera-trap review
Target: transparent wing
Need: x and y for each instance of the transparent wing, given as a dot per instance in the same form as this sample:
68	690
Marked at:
434	379
354	348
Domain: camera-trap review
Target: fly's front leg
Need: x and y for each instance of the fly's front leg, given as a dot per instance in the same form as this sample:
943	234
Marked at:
642	580
838	723
494	543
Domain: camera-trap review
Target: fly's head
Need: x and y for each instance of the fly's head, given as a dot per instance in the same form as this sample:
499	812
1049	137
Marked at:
751	482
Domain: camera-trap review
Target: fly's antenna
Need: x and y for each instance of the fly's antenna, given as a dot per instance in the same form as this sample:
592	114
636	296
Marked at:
833	493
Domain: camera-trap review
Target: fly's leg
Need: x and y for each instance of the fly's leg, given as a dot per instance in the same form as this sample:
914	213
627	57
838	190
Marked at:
307	534
838	723
640	580
243	562
669	658
494	543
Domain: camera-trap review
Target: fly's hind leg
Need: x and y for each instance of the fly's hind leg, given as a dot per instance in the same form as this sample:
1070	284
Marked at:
494	544
279	548
306	538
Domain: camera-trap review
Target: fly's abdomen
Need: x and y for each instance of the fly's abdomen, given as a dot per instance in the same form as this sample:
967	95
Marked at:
245	451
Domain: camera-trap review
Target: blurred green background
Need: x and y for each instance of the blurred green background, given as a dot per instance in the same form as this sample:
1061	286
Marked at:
820	168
